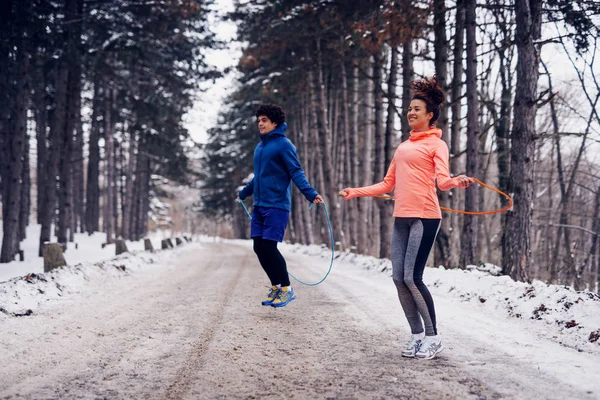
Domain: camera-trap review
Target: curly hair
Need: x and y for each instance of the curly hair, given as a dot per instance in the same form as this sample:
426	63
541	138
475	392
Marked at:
429	90
272	111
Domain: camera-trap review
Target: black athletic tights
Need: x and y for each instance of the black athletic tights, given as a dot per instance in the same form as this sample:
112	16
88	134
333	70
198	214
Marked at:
272	261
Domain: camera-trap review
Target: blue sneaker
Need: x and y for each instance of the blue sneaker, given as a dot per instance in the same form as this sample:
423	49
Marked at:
285	295
273	291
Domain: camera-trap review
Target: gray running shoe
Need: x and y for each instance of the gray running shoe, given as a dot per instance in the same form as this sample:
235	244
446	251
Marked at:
429	348
412	347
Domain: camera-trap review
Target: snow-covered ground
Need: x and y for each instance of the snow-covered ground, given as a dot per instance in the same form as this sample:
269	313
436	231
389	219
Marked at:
84	249
558	313
554	312
510	337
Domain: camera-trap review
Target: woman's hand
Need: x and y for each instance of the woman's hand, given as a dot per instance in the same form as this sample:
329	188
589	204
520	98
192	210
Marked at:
344	193
464	181
318	199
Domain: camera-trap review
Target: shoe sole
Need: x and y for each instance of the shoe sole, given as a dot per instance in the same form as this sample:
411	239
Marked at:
407	355
277	305
432	356
267	303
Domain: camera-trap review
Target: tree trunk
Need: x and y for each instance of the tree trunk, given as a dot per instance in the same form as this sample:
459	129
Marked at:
442	253
468	254
77	149
25	192
354	154
503	125
143	221
408	74
503	129
118	190
317	137
325	141
110	166
365	203
386	208
346	180
92	204
79	181
14	139
456	95
130	174
593	253
73	10
41	116
380	169
516	250
306	218
54	152
65	195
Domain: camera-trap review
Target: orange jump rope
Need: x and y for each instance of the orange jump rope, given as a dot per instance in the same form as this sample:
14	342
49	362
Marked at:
510	202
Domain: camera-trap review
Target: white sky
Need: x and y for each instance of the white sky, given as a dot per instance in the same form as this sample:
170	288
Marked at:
204	114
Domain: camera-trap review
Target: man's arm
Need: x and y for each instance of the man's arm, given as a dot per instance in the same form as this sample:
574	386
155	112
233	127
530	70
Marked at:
248	190
296	172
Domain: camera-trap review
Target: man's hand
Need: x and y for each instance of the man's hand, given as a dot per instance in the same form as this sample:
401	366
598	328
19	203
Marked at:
318	199
464	181
237	199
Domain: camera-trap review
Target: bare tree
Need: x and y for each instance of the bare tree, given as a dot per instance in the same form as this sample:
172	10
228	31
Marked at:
516	244
468	254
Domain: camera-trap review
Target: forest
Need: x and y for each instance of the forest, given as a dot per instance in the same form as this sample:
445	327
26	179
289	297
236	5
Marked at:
342	71
93	96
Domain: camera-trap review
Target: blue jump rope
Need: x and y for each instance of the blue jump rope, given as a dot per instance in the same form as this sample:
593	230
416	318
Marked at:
330	237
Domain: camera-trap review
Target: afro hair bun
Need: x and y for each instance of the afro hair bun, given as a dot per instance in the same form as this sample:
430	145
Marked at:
429	89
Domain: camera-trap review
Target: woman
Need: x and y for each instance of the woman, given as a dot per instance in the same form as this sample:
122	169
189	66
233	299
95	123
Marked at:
417	165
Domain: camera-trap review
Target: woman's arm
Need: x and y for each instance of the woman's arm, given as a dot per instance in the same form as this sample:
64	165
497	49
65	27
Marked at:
442	172
386	186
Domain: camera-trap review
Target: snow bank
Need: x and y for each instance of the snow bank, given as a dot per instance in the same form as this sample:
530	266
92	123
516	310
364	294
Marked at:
559	313
24	295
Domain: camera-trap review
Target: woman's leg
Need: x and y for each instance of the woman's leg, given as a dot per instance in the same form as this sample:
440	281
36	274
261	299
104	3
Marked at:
420	241
400	236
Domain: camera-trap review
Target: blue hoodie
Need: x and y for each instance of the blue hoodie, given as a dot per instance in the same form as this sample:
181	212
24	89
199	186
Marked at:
276	164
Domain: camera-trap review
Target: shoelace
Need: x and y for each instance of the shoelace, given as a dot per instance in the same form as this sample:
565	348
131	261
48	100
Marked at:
283	296
413	343
272	292
430	346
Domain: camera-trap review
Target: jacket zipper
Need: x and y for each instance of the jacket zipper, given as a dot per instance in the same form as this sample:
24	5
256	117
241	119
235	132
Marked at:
258	176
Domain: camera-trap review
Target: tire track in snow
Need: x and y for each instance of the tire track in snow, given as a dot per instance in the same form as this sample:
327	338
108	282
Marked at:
186	375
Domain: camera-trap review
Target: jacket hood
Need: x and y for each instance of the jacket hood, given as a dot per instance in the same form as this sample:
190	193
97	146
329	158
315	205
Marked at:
425	134
279	131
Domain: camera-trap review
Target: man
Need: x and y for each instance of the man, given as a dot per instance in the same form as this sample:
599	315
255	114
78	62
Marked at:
276	164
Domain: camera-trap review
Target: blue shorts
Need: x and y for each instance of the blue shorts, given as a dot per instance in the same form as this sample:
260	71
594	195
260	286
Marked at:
269	223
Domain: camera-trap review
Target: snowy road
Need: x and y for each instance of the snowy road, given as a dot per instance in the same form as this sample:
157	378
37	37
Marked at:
194	329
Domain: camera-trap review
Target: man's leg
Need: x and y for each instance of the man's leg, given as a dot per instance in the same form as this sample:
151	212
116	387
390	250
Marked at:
276	221
257	227
276	259
262	251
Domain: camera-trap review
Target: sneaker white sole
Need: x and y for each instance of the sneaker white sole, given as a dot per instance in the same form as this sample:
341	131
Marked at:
429	357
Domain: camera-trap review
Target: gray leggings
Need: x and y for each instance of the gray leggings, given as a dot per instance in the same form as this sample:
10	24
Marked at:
412	240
